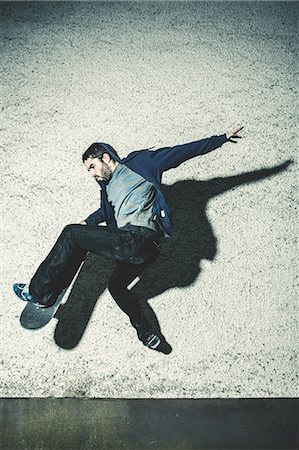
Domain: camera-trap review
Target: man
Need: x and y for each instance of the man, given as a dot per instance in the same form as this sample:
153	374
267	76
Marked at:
136	216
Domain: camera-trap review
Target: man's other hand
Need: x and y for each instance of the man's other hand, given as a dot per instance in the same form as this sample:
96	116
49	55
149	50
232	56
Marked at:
231	135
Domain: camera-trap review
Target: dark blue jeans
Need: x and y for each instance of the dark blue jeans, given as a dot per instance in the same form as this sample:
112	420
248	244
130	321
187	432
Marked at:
133	252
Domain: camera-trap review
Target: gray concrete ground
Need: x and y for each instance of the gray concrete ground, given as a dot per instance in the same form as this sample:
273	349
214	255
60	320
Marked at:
154	74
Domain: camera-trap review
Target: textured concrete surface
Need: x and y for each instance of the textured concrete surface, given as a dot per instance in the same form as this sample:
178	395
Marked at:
153	74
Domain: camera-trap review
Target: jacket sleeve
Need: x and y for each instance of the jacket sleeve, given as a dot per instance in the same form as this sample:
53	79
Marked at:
169	157
96	217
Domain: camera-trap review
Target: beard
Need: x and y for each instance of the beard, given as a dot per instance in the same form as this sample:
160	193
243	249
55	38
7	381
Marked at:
106	173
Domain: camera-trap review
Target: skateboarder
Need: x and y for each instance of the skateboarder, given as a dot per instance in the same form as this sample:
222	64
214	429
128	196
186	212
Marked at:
136	216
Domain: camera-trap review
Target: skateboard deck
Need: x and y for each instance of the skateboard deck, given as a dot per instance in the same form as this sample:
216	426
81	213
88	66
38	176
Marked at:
33	317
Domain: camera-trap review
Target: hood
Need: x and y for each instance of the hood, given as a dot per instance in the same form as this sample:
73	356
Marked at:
109	150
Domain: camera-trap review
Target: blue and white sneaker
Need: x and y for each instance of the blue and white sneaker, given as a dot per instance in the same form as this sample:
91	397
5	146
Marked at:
151	340
22	291
146	334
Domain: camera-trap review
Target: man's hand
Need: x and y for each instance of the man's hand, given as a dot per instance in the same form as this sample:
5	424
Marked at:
234	135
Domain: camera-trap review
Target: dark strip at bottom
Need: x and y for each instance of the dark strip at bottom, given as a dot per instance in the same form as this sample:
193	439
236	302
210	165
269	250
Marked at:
75	424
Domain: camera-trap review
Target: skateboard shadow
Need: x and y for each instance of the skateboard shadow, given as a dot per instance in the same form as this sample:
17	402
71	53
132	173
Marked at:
178	265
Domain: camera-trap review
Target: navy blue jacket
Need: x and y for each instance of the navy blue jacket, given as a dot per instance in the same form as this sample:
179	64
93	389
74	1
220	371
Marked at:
150	164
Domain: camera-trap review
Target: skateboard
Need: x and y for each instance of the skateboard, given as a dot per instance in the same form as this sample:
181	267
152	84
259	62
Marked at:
34	317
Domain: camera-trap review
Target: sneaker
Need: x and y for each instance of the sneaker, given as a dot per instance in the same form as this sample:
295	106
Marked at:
146	334
22	291
150	340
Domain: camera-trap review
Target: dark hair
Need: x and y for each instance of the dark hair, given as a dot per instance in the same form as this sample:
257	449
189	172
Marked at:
95	151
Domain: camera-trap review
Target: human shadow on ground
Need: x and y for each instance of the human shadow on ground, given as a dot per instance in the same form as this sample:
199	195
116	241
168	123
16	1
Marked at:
178	265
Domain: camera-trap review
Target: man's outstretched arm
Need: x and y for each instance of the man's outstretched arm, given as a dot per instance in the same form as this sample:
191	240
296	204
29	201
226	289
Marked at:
170	157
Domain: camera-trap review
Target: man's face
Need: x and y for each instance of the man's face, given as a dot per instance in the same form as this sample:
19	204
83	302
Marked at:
98	169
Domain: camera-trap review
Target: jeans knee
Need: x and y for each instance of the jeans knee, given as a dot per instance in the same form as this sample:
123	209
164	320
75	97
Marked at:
68	228
68	234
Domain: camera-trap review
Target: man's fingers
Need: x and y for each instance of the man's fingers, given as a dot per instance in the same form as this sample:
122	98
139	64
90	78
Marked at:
238	129
234	134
